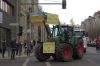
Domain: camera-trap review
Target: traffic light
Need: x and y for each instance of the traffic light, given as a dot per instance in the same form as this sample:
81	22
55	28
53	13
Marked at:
20	31
63	4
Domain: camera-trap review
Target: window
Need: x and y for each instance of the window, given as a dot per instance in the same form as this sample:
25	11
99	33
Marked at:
56	31
3	5
7	7
0	4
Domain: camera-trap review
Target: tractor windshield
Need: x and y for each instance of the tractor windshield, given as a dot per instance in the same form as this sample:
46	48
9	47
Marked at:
56	31
79	33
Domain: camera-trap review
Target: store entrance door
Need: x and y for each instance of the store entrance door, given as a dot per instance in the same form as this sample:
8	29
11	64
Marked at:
5	35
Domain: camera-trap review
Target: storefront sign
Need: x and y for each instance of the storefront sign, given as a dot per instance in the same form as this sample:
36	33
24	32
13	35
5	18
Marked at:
13	24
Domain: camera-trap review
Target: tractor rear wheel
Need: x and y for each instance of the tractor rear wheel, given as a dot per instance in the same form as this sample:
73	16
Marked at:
39	53
64	52
79	51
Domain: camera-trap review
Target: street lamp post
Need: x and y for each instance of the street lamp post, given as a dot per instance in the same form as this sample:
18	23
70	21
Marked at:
18	16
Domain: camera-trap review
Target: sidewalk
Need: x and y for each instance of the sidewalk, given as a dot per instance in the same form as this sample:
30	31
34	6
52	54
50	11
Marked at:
6	56
22	55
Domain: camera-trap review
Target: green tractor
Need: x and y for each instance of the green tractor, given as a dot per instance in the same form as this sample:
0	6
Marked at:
62	45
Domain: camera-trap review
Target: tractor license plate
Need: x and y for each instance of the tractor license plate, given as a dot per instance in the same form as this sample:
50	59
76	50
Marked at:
49	47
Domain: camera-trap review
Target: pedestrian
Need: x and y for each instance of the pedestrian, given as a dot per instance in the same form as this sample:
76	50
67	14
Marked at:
34	42
32	45
17	47
97	44
28	48
8	48
20	48
25	46
13	49
3	48
84	37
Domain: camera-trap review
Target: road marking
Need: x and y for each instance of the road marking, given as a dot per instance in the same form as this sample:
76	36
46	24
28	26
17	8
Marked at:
26	62
48	64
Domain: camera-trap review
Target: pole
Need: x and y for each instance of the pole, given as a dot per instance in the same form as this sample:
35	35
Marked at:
17	19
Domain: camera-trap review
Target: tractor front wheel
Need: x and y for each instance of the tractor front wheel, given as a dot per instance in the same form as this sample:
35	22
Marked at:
64	52
79	51
39	53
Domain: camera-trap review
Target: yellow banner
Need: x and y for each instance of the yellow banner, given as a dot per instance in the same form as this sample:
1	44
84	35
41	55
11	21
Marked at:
36	18
49	47
52	19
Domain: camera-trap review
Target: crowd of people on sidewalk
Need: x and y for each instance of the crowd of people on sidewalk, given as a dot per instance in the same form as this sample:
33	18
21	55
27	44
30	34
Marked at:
14	48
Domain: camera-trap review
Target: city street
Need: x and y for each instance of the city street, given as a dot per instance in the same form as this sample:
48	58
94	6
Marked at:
91	58
58	29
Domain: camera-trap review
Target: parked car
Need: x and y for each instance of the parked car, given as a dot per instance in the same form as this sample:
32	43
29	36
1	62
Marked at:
92	43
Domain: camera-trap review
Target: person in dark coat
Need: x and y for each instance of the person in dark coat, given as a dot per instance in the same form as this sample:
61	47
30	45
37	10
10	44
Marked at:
17	48
20	48
13	48
3	48
97	44
25	46
28	49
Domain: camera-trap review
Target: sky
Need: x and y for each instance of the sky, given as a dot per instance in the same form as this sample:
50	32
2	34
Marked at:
76	9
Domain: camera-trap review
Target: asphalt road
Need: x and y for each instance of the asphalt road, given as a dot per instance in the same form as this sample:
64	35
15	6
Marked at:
91	58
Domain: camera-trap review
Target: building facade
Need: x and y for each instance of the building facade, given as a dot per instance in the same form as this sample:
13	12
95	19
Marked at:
92	25
28	28
8	20
38	28
24	19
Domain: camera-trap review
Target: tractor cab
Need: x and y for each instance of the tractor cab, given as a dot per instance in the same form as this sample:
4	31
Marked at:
62	33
